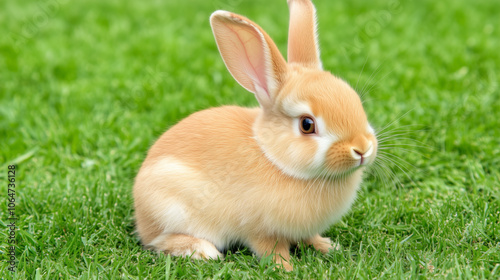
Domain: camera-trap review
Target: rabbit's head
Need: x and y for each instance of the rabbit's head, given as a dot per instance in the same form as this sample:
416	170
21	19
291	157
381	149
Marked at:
312	124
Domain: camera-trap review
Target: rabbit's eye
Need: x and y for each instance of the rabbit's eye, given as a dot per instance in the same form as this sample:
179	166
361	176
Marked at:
307	125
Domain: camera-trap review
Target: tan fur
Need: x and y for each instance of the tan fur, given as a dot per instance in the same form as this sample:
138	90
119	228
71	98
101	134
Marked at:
322	244
302	41
239	175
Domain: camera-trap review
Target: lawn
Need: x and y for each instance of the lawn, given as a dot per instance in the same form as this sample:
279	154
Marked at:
87	86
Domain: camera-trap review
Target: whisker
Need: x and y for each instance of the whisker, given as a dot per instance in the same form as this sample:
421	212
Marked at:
392	133
370	79
396	145
375	84
364	100
391	123
399	138
359	76
389	175
385	173
374	170
397	158
406	150
404	169
396	137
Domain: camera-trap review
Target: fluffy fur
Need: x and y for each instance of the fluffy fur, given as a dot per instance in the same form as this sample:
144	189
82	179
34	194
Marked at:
238	175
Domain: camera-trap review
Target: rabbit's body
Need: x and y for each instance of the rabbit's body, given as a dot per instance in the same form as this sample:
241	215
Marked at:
234	202
265	177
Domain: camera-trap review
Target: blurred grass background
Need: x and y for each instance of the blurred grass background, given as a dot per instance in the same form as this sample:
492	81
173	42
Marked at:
86	87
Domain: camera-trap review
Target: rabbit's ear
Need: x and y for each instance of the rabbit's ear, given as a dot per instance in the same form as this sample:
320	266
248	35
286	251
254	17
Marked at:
303	47
250	55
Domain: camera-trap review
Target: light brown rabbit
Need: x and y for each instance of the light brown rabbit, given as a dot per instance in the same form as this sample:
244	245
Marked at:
264	177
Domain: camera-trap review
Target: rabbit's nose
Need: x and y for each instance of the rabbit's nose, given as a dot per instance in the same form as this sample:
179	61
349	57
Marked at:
359	152
362	153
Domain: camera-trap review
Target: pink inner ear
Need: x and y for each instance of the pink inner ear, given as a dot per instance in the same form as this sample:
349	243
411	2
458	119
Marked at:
242	49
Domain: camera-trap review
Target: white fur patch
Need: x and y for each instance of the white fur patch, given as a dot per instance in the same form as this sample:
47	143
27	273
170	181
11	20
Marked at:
324	144
296	126
296	109
172	215
370	129
206	250
200	249
169	211
325	139
370	150
170	165
175	215
156	243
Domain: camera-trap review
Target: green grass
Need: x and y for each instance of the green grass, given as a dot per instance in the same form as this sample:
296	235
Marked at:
85	89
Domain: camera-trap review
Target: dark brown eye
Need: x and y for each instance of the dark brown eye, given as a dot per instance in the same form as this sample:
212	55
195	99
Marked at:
307	125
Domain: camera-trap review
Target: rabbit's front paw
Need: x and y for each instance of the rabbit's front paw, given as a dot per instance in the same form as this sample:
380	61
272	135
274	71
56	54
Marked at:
322	244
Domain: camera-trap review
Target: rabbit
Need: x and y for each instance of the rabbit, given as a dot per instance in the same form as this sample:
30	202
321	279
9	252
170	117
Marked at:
265	177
